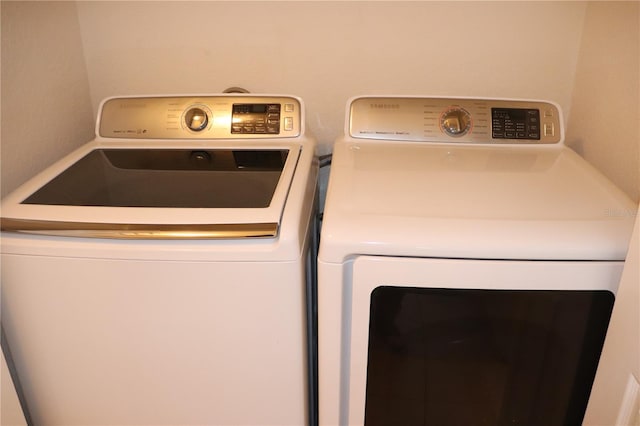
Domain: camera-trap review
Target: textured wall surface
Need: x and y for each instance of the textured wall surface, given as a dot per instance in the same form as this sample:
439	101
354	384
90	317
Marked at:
604	125
46	106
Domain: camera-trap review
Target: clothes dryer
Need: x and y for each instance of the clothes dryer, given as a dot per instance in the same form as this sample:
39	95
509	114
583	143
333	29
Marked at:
468	265
160	274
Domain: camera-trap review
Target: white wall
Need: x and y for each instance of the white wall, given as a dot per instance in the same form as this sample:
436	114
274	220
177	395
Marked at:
46	108
612	402
326	51
58	63
604	125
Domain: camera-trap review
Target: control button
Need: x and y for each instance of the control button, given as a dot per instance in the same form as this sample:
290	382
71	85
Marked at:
196	119
288	123
549	129
548	113
288	107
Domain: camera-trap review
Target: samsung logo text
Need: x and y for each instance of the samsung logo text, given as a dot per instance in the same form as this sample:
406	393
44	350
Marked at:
385	106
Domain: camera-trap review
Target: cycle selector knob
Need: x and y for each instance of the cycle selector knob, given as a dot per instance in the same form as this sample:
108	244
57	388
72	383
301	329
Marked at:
196	119
455	122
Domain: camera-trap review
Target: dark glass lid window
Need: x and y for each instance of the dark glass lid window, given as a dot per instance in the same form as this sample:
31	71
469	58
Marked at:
167	178
453	357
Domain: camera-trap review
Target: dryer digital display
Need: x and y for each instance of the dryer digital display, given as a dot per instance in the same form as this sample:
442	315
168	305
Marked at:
515	123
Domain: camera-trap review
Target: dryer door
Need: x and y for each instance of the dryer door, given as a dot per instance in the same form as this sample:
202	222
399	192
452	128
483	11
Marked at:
513	342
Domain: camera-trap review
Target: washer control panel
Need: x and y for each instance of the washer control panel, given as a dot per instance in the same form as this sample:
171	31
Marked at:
457	120
230	116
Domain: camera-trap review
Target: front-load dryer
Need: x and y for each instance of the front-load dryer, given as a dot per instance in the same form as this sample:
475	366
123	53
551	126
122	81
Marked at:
468	266
160	273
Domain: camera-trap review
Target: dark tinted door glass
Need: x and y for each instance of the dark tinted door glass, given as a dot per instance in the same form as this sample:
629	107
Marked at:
167	178
483	357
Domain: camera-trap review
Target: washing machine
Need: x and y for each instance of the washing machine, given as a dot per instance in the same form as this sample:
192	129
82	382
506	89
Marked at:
468	265
161	273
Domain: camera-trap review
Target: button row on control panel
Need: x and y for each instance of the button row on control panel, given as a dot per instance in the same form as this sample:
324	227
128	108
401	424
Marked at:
260	126
271	127
516	134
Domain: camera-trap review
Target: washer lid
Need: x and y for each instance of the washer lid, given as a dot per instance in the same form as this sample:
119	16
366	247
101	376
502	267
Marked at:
157	193
498	202
173	178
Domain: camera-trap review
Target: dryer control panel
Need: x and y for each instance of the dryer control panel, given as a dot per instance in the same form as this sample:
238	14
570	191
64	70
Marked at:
482	121
201	117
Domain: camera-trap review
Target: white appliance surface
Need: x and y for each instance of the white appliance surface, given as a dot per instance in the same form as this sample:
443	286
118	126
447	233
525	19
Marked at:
411	203
166	315
494	202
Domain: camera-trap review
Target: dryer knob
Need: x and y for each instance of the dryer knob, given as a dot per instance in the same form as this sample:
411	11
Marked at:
196	119
455	122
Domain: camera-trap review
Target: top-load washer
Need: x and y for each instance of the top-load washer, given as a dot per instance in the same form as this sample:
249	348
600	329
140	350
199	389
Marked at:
468	266
160	273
